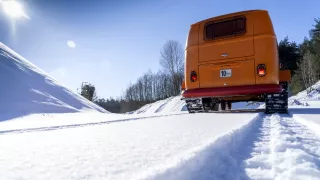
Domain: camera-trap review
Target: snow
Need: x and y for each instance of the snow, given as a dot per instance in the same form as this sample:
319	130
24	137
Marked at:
27	89
269	147
49	132
175	104
305	108
304	96
308	117
217	158
37	122
246	105
159	146
169	105
120	150
287	150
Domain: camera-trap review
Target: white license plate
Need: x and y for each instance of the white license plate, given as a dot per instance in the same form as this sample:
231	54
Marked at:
225	73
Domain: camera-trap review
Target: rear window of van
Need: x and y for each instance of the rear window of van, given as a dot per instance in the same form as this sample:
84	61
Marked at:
232	27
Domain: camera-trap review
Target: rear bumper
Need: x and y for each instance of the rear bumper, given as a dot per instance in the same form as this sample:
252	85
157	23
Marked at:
232	91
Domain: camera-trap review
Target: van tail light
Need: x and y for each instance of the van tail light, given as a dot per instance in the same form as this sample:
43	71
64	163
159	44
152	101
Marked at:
193	76
261	70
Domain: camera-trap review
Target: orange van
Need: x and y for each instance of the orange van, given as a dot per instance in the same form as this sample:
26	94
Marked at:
233	58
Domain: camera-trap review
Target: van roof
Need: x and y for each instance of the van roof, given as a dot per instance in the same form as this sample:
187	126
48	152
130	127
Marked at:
230	14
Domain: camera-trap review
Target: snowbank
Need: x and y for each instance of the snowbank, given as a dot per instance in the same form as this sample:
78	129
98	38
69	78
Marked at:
175	104
295	102
169	105
26	89
301	98
305	107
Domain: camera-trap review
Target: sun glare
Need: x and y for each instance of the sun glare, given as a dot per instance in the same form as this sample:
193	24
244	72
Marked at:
13	9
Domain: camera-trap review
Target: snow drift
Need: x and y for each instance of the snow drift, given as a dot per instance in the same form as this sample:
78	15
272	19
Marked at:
169	105
302	97
26	89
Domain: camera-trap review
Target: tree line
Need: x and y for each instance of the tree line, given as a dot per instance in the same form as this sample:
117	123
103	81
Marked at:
302	59
151	86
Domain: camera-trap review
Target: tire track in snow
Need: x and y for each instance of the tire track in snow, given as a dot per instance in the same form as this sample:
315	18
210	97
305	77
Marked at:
286	150
268	147
59	127
258	166
222	159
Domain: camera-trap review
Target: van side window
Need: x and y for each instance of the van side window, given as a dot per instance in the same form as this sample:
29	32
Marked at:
225	28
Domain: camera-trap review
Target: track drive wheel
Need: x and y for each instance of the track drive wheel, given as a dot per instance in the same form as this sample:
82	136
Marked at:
223	105
277	102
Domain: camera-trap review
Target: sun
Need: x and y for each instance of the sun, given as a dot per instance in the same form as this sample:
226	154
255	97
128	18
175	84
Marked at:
13	9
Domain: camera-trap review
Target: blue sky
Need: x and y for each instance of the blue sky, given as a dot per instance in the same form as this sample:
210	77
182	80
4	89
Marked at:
117	41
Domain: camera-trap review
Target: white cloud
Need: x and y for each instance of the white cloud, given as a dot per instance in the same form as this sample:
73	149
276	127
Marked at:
71	44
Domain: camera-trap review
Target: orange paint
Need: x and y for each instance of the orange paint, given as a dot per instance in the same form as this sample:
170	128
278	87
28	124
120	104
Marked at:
225	52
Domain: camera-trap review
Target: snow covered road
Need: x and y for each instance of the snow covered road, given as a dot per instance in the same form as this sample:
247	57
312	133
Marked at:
124	150
185	146
285	149
271	147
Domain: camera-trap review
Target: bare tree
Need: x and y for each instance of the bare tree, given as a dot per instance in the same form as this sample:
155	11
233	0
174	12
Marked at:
155	86
309	70
172	61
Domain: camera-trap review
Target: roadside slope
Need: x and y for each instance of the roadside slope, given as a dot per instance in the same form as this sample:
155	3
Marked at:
27	89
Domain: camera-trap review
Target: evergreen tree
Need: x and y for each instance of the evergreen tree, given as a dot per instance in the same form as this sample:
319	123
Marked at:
289	55
88	91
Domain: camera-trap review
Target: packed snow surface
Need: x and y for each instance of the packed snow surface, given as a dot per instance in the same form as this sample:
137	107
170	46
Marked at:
160	146
305	107
286	149
134	148
27	89
270	147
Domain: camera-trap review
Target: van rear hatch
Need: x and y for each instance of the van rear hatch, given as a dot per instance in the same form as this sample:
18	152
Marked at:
226	53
